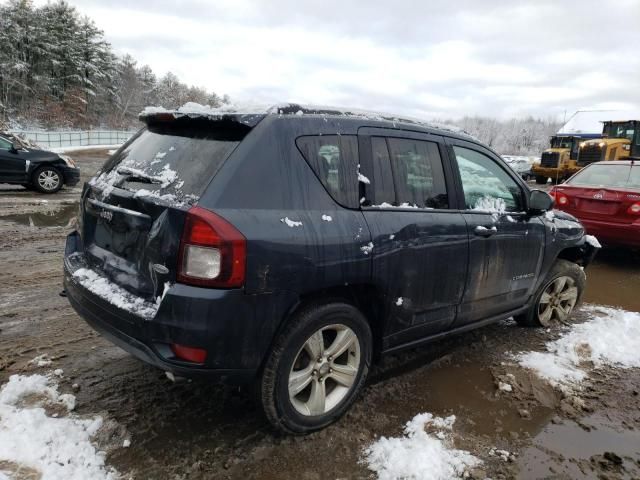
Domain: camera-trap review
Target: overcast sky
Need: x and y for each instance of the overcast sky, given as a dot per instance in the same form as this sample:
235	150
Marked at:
442	59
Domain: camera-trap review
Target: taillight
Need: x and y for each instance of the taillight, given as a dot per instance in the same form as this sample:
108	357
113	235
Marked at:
561	198
634	209
212	251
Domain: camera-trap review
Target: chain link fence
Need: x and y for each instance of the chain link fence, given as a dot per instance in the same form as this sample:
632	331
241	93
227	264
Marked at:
77	138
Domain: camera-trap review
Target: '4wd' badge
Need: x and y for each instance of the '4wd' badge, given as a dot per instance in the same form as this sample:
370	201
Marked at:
106	215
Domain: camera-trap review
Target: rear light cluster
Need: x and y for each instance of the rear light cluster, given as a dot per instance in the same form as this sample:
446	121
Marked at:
634	209
212	251
560	198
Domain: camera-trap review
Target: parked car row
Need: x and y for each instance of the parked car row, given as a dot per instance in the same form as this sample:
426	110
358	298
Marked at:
23	163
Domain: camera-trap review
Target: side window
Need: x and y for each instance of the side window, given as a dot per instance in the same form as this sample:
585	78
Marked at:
485	184
417	173
334	159
5	144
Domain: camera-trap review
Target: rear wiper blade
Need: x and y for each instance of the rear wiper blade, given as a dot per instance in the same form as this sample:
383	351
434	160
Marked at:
137	175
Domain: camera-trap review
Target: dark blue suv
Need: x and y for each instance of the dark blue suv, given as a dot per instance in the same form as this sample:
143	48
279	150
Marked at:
292	247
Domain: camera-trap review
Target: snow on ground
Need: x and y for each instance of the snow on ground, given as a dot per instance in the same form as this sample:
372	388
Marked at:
418	454
83	147
58	448
115	294
611	337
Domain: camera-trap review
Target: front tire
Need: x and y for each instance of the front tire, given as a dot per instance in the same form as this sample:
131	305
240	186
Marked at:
47	179
557	297
316	368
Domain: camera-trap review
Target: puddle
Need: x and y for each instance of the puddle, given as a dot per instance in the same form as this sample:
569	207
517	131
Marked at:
54	218
614	279
467	390
565	450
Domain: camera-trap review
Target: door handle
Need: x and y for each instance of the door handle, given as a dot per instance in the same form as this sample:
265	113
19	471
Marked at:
482	231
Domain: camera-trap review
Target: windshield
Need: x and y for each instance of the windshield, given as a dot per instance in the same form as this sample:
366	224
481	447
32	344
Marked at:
620	130
626	176
561	142
171	160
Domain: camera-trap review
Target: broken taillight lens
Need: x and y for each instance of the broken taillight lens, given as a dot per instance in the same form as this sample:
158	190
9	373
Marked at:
212	251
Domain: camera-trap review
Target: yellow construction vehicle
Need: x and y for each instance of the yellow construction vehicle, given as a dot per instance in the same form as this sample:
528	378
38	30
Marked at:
620	141
559	161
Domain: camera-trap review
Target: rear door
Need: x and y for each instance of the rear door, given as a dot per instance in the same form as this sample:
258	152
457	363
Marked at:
12	165
134	209
506	246
419	240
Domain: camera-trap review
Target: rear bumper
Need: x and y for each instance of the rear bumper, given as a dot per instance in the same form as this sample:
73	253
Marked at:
614	233
231	326
71	175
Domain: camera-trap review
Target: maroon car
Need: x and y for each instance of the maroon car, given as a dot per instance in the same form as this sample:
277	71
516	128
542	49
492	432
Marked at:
605	197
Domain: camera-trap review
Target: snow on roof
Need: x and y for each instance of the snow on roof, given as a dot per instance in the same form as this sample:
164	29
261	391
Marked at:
590	121
251	113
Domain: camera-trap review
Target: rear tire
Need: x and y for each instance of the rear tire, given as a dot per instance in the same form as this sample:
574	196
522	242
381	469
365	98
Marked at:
47	179
540	180
557	297
316	368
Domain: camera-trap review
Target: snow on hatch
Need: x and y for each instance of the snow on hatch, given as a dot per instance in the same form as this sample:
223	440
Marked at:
424	452
57	448
611	337
291	223
114	294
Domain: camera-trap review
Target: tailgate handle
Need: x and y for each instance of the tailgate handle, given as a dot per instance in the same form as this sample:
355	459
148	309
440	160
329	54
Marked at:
113	208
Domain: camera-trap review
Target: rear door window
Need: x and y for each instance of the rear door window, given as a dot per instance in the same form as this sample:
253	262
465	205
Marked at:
170	161
334	160
418	175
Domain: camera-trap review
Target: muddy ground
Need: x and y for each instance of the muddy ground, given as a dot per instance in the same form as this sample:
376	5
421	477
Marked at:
196	430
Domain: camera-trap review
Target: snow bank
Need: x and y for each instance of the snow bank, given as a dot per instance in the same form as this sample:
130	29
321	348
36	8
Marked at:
115	294
59	448
418	454
610	337
85	147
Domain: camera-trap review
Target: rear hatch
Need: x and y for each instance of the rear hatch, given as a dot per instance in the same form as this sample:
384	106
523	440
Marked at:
133	211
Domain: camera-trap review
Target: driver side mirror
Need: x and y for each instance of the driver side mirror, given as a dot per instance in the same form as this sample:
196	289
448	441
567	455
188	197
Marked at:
13	148
540	202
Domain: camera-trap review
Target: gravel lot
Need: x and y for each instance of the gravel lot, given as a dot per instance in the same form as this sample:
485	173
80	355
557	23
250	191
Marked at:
195	430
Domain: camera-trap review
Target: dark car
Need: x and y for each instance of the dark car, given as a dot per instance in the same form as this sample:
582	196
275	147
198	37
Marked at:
289	249
605	196
44	171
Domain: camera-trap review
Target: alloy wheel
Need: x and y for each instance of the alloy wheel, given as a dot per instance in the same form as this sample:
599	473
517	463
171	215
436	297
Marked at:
324	370
557	301
49	179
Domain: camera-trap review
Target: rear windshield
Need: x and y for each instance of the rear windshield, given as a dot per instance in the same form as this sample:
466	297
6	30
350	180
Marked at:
603	175
172	161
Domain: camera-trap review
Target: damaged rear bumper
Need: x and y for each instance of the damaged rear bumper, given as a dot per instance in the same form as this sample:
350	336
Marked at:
223	322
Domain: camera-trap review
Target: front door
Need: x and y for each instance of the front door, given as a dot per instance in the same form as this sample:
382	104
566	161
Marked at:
419	242
12	166
506	245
